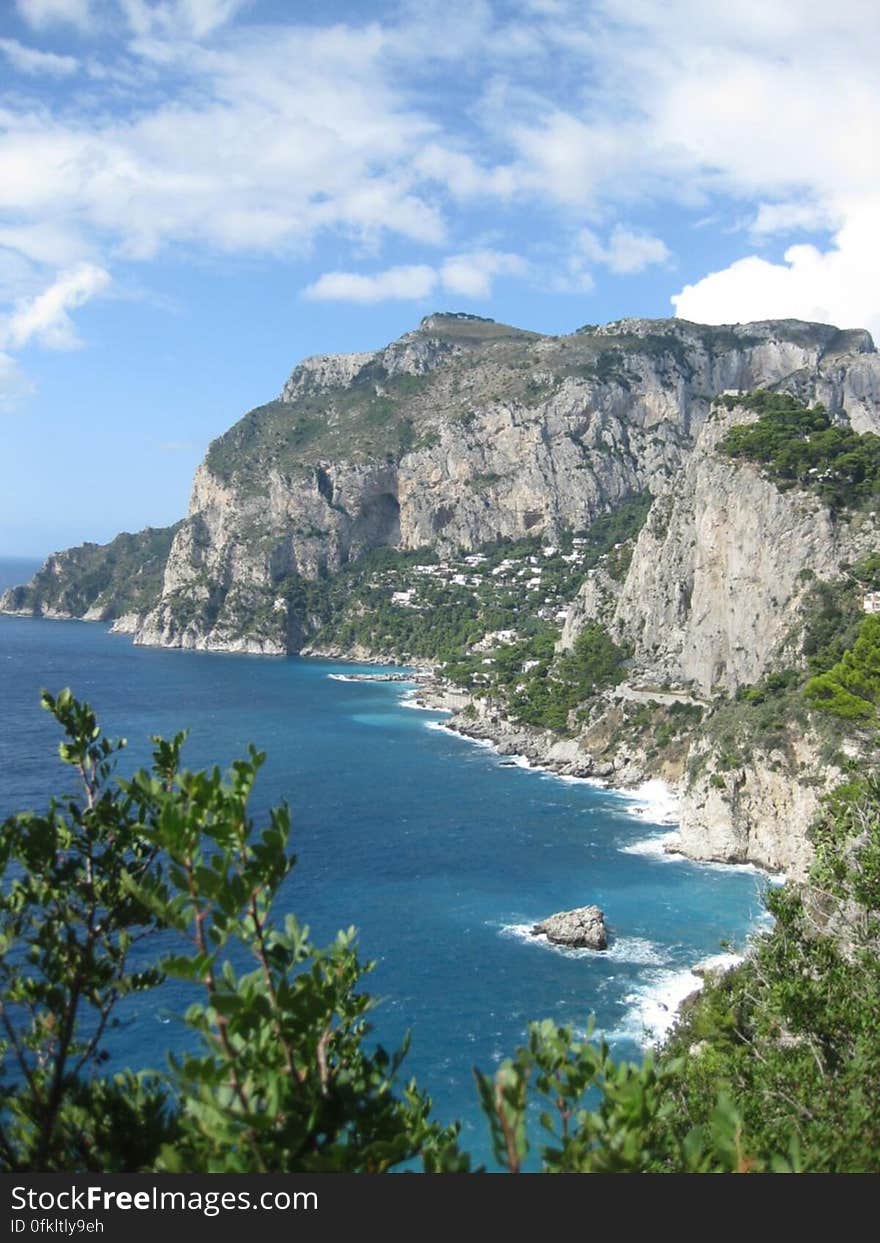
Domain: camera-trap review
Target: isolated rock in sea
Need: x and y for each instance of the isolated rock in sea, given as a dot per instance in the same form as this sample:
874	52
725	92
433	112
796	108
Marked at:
583	928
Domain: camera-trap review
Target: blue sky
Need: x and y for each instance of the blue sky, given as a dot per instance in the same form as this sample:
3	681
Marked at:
195	194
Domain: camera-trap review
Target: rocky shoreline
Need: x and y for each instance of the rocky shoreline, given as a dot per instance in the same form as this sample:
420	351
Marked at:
547	752
703	827
745	818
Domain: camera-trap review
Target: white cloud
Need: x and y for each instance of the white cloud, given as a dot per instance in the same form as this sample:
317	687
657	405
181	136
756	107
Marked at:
469	275
179	18
40	13
45	318
30	60
54	243
405	282
460	174
763	110
791	217
837	286
626	252
205	130
280	135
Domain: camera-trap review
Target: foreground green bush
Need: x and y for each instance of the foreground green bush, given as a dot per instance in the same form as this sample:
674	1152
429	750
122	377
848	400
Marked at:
794	1033
281	1076
278	1078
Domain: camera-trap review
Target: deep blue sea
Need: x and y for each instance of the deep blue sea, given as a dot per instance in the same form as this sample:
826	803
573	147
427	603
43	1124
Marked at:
439	851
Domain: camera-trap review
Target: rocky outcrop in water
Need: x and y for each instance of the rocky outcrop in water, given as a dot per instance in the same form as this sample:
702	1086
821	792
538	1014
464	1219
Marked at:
583	928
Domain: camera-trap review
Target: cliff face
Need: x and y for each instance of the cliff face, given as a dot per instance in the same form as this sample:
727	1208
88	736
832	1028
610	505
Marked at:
759	811
97	582
720	569
461	433
712	602
466	432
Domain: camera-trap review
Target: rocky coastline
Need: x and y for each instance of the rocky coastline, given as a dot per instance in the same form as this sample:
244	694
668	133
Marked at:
704	827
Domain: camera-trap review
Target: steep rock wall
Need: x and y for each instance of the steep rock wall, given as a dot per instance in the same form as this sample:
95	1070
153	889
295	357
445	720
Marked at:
718	571
520	435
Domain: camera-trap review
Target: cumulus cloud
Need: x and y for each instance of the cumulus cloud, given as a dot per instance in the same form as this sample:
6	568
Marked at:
469	275
57	244
206	130
285	133
626	252
837	286
404	282
46	319
792	217
767	111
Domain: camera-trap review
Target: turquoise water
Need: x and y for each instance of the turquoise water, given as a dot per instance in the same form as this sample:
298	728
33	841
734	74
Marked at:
436	849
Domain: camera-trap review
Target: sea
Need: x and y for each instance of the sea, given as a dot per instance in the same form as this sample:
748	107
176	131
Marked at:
441	852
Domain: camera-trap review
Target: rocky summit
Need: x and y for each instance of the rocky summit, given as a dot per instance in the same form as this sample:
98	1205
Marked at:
607	570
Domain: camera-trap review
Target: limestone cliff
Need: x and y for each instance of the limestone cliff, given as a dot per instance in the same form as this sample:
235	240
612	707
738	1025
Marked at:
712	602
720	569
460	433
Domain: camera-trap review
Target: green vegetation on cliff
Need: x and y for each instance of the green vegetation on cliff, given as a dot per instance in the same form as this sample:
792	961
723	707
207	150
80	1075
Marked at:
465	362
799	446
850	689
491	618
370	419
454	601
774	1067
124	576
830	688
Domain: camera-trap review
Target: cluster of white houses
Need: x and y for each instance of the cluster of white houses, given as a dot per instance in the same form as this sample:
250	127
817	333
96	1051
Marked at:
514	575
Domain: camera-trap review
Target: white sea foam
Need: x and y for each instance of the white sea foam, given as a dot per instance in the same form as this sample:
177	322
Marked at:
653	801
653	847
751	868
622	949
486	743
663	846
373	677
654	1004
596	782
409	700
